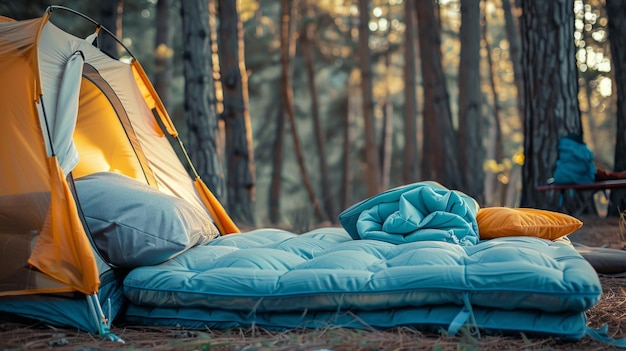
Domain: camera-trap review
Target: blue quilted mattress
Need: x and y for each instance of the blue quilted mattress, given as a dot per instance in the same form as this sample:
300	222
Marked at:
410	256
276	279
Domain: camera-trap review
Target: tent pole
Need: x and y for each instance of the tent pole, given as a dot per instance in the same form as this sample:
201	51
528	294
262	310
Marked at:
50	8
182	147
45	118
104	325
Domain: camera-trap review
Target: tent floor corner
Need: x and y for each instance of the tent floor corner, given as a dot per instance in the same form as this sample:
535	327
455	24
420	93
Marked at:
69	309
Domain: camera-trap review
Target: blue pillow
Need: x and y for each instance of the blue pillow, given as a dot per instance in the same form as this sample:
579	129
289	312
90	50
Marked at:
135	225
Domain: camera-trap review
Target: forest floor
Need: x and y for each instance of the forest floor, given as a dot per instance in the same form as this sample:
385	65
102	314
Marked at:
610	311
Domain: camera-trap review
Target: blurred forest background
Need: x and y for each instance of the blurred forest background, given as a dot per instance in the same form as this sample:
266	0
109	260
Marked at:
318	104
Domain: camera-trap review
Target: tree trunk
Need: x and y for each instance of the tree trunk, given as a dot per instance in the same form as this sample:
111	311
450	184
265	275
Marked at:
287	47
409	166
199	102
512	34
307	43
164	51
258	16
239	153
617	26
372	163
386	140
495	189
348	175
215	69
349	121
550	92
471	149
287	43
439	150
278	152
111	18
515	51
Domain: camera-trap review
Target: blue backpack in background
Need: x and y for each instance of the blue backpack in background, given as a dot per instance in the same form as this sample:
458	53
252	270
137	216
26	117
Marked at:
575	162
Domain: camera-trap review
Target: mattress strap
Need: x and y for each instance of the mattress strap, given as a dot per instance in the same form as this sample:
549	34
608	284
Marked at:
466	314
602	334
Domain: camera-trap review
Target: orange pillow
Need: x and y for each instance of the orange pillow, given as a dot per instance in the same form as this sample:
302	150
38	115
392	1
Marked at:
495	222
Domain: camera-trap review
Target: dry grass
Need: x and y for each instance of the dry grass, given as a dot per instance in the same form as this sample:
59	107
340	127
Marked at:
611	310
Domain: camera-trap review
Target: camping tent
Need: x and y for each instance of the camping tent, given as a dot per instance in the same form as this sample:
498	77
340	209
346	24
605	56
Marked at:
68	110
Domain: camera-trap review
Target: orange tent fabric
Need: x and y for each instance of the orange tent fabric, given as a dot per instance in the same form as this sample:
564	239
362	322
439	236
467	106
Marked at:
72	110
36	210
